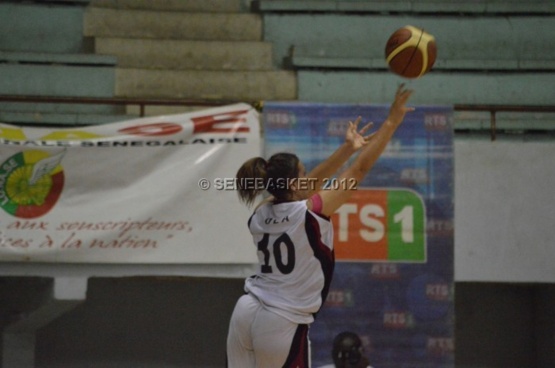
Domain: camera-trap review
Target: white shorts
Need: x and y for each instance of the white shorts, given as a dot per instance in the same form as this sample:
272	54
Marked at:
259	338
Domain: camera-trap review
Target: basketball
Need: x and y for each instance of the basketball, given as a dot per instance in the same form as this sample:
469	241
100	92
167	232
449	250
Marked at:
410	52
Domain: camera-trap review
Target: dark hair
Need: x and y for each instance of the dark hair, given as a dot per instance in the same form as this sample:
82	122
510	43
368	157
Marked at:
273	175
347	347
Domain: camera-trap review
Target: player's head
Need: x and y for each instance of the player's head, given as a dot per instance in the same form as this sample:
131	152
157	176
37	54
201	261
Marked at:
275	174
347	350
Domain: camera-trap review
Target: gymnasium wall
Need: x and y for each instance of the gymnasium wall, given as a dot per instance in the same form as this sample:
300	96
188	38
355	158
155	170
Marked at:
165	317
504	210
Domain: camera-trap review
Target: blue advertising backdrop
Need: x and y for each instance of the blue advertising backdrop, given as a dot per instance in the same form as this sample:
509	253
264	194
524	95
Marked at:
399	301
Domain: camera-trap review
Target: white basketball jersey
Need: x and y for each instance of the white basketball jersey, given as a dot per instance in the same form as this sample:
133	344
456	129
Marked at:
296	259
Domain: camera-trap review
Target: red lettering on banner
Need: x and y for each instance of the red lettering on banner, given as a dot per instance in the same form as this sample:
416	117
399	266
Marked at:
131	242
15	243
233	121
29	225
152	130
72	242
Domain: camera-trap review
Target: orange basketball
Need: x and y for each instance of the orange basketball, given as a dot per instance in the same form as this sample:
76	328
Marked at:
410	52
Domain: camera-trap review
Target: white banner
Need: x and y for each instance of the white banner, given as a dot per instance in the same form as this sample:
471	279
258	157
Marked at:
139	191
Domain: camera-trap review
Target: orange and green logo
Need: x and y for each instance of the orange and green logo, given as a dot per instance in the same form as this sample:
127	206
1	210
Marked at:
31	183
386	225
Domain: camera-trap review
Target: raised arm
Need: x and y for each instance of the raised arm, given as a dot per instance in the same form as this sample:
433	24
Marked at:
333	199
354	140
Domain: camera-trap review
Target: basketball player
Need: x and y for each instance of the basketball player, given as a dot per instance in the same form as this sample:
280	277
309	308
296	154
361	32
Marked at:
293	234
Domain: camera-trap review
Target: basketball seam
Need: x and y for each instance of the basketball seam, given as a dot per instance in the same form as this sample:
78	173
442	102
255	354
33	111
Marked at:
408	43
414	52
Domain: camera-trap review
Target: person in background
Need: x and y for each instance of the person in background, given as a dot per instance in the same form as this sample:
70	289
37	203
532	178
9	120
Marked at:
347	352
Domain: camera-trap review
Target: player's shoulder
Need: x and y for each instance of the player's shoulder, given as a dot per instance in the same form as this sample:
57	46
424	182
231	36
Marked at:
273	205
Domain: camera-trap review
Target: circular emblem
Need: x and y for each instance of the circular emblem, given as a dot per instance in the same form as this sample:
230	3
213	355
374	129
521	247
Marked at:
31	183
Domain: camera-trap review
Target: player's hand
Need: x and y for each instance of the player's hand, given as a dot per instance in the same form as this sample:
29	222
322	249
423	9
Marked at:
355	137
398	108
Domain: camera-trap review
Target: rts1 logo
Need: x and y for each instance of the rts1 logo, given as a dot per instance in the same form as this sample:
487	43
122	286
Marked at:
340	298
398	320
439	291
385	271
381	225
